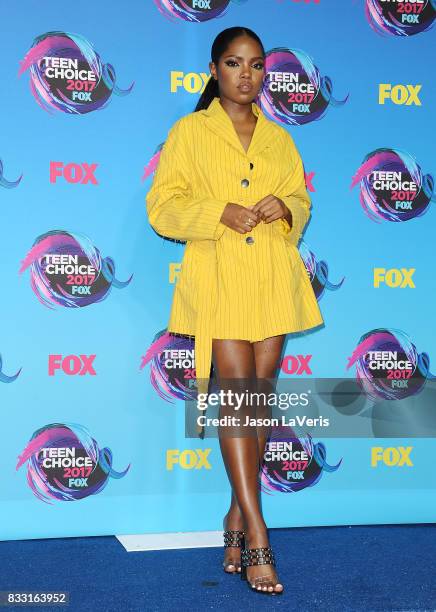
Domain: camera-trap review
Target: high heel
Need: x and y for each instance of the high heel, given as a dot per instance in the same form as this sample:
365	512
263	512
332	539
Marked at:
233	539
258	556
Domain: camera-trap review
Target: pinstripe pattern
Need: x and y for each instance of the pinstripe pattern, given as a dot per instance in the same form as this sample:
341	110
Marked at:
228	288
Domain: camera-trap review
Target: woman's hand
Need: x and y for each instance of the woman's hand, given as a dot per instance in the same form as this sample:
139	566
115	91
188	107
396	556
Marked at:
242	219
270	208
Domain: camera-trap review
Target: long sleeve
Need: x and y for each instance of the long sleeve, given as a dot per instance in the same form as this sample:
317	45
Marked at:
294	194
172	210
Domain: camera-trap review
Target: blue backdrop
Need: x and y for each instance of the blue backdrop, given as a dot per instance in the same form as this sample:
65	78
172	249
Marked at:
104	405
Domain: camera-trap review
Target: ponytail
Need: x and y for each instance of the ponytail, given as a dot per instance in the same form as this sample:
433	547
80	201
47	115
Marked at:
210	92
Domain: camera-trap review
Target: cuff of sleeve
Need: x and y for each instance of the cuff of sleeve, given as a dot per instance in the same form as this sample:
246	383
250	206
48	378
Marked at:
285	227
300	210
211	215
219	231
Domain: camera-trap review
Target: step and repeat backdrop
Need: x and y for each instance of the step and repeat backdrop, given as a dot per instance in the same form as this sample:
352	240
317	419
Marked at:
92	388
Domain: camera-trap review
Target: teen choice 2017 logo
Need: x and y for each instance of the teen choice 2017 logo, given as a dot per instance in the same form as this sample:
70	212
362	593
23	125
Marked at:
194	10
66	74
392	186
388	366
67	270
400	18
291	464
172	366
294	92
65	463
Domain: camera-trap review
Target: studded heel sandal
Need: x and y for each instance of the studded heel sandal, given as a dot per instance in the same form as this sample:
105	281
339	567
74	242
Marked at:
233	539
258	556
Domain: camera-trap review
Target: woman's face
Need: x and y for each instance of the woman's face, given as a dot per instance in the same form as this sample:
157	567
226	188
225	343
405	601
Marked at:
240	70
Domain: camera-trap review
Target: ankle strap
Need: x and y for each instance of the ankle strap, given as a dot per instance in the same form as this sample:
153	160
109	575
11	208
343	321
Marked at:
257	556
233	538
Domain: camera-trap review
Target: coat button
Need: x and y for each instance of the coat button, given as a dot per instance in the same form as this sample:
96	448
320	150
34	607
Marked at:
249	240
245	182
251	166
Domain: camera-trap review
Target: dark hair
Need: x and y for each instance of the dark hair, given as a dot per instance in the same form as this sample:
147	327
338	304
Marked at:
219	46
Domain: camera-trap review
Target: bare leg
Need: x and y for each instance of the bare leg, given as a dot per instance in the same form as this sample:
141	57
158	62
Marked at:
267	358
267	354
235	361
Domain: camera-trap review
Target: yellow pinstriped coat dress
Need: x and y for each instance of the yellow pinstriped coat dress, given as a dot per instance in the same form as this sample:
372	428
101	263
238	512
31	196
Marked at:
236	286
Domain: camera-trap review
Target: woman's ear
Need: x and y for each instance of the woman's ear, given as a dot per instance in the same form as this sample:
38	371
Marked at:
212	69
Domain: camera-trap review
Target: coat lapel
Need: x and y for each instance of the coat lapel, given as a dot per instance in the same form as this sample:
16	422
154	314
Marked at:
220	123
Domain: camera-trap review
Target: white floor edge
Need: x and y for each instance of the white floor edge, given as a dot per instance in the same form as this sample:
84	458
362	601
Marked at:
171	541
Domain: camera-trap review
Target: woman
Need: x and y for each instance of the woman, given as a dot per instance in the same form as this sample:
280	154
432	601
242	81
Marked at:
231	184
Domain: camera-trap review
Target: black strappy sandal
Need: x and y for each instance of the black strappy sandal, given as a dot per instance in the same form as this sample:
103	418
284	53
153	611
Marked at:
258	556
233	539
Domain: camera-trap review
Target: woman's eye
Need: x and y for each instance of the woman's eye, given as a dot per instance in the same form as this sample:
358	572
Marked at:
231	63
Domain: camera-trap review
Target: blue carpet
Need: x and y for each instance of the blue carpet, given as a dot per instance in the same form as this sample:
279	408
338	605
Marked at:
358	568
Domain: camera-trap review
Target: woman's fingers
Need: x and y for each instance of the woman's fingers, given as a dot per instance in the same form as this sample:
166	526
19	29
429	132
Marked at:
245	218
267	207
